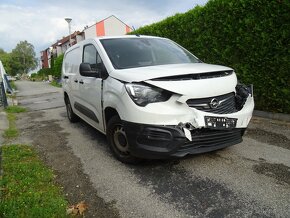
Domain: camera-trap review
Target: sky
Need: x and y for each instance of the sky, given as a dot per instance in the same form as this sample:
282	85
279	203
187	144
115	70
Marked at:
41	22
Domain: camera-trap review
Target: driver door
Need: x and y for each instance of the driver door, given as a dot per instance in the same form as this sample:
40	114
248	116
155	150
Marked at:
91	89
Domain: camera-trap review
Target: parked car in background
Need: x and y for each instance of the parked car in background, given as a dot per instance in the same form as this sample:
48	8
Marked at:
153	98
11	78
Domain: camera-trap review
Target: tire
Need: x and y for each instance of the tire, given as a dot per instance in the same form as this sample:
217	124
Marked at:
73	118
118	142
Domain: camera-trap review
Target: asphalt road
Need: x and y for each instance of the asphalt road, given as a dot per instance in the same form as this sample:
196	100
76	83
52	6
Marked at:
39	95
251	179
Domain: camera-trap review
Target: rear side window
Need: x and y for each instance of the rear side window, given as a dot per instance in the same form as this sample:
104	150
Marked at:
71	61
92	57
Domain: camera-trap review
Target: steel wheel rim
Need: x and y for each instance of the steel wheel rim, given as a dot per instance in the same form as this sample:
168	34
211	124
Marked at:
120	140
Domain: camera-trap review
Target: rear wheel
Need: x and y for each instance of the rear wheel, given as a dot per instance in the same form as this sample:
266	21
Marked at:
70	114
118	142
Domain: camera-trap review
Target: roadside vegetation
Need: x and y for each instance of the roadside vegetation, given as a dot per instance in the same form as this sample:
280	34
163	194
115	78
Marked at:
12	131
13	86
15	109
20	60
252	36
54	70
27	188
56	84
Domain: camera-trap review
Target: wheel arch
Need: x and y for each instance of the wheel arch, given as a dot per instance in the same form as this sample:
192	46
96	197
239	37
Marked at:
65	96
109	113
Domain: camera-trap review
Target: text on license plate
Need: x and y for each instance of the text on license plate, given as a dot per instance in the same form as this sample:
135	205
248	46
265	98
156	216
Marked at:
220	122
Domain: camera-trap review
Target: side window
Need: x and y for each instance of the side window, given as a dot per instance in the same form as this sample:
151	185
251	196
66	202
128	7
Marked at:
92	57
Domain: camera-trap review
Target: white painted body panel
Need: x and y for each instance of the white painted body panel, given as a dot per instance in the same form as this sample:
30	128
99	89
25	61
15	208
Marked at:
171	112
147	73
199	88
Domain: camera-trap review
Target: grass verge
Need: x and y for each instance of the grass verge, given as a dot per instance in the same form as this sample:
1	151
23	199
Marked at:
12	84
26	186
12	131
15	109
56	84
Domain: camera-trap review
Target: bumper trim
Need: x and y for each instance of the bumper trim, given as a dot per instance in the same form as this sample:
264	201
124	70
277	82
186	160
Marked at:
158	142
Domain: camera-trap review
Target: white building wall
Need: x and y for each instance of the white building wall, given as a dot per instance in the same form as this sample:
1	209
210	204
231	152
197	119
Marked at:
58	50
64	47
90	32
114	27
48	57
79	38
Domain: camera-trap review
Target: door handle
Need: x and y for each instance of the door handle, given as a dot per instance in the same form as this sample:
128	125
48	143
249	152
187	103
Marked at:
81	82
75	80
65	77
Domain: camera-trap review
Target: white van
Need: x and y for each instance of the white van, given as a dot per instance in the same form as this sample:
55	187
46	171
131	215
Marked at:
153	98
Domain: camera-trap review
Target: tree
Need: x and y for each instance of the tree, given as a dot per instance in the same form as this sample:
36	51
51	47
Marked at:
2	51
24	59
6	61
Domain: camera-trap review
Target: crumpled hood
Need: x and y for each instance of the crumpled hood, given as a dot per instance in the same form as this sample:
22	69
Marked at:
147	73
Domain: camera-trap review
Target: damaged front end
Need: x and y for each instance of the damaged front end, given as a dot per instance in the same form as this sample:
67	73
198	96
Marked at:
217	122
225	121
242	93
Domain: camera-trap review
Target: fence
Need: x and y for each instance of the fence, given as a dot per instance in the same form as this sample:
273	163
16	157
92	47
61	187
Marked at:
3	99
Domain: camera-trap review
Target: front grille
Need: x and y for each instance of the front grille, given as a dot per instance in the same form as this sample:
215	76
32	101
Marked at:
205	138
222	104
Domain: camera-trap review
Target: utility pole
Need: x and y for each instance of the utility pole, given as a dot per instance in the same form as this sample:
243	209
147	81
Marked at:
68	20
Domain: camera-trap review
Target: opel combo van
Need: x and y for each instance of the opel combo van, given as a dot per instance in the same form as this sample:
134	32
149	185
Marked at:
153	98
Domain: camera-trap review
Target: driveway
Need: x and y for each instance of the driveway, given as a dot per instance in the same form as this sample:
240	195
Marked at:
251	179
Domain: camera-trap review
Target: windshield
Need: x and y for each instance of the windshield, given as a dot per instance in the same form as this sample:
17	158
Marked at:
140	52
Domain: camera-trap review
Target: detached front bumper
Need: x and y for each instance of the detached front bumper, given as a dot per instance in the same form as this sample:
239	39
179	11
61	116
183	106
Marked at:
156	141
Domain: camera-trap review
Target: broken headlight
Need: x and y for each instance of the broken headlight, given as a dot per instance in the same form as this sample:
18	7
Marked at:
242	93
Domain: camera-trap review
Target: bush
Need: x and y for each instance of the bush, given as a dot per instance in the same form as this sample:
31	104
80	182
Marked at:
57	66
42	74
55	70
252	36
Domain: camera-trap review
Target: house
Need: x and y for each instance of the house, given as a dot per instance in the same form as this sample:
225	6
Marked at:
59	48
63	44
45	58
110	26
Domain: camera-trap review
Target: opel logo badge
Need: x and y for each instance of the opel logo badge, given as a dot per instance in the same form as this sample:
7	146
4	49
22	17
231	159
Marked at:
214	103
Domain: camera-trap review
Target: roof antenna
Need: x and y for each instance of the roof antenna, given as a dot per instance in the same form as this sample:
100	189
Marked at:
134	31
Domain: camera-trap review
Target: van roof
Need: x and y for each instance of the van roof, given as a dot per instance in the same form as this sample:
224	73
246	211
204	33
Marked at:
125	36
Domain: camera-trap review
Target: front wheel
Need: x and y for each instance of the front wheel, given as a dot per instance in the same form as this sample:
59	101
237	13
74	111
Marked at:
73	118
118	141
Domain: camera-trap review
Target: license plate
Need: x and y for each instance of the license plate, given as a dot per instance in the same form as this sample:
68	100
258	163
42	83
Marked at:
220	122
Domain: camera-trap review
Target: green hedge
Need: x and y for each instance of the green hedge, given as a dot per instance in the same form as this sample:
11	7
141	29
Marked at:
42	74
251	36
57	66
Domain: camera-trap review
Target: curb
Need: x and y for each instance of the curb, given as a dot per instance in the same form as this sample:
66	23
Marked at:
4	124
270	115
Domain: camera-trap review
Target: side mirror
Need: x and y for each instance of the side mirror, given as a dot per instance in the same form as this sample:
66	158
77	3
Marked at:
86	70
102	69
